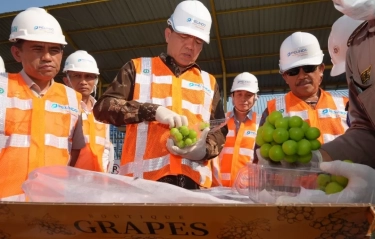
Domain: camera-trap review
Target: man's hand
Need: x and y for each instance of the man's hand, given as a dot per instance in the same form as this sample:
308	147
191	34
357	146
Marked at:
360	189
195	152
166	116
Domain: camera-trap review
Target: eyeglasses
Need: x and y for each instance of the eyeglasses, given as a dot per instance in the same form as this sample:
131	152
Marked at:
186	36
307	69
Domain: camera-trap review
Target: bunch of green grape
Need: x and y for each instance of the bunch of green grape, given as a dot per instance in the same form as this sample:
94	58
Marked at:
332	183
287	138
183	136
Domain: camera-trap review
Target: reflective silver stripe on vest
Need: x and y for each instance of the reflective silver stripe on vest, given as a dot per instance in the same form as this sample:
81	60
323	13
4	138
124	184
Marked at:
13	102
166	102
15	140
246	152
257	121
3	107
280	106
147	165
144	79
215	167
72	101
231	133
203	170
3	100
98	140
84	116
208	96
55	141
340	106
338	113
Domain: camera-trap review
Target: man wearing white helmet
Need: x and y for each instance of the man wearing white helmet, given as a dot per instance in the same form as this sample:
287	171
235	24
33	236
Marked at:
82	75
242	128
358	142
301	66
40	125
151	95
342	28
2	65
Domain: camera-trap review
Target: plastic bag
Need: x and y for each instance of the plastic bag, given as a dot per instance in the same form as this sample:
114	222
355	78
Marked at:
68	184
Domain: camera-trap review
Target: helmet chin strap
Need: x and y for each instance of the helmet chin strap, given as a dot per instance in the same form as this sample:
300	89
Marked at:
70	83
94	90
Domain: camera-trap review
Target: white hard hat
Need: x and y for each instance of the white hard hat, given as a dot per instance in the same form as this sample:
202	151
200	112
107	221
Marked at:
2	65
356	9
193	18
35	24
245	81
337	42
81	61
299	49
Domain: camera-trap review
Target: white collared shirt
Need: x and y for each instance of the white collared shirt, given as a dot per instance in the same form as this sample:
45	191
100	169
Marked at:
33	86
249	116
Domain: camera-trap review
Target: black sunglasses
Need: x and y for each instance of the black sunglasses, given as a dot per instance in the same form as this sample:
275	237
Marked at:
295	71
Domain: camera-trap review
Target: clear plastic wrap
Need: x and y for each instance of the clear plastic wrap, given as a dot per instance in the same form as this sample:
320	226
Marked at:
68	184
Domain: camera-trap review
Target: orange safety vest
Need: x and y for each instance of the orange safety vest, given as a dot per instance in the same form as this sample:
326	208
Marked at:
238	149
34	132
97	140
144	153
329	115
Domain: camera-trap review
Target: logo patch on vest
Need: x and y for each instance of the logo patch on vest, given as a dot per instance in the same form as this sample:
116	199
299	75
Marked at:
1	91
250	133
63	107
365	75
330	113
198	86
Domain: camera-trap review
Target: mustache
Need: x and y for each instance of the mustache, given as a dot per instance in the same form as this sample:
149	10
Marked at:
304	82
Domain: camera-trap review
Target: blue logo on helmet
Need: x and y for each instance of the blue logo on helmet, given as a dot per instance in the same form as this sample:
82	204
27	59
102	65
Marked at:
44	29
298	52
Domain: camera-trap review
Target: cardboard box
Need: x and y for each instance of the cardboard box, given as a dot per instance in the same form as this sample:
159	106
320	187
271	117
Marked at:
135	221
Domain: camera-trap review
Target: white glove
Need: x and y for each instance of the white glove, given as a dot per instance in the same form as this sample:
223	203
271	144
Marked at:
360	189
167	116
195	152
